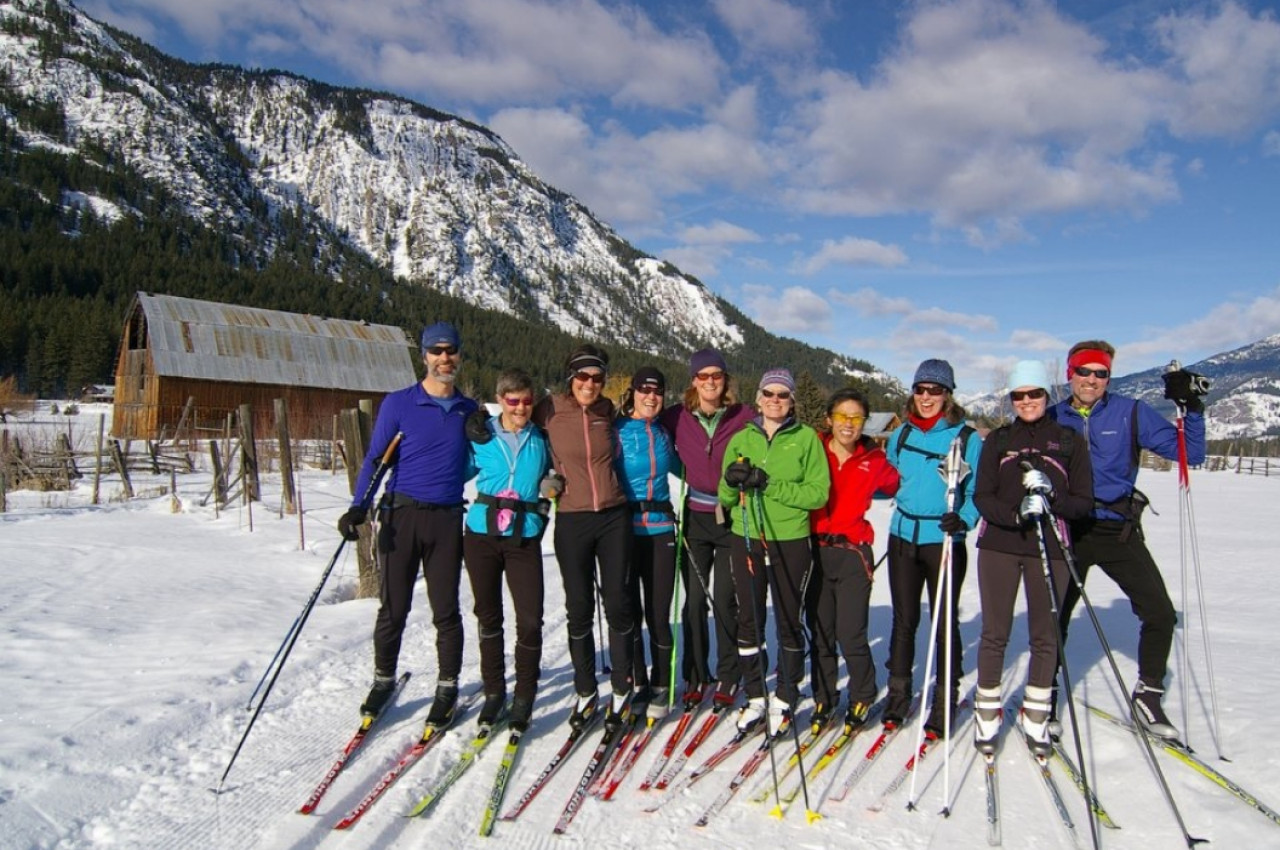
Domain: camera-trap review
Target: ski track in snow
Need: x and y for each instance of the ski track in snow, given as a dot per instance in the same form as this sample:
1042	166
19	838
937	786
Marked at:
133	637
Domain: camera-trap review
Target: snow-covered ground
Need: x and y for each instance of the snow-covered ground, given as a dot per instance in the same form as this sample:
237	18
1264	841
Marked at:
133	636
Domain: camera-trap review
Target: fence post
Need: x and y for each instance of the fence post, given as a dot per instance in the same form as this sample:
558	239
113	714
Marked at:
249	455
288	496
122	466
97	458
355	434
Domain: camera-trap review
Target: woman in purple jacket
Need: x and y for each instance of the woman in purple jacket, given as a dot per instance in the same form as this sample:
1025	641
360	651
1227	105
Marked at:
700	428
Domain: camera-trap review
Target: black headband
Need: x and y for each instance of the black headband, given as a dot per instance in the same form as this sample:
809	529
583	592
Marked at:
586	361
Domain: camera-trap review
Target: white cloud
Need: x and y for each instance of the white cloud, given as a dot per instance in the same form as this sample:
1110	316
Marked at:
765	27
1271	143
491	52
1227	326
795	309
870	303
1032	340
1229	68
854	251
986	110
717	233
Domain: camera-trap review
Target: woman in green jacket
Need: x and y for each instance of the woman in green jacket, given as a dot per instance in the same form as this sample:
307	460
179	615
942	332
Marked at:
775	473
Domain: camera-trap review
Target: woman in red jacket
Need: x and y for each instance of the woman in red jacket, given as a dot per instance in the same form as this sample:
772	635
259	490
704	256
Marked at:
839	594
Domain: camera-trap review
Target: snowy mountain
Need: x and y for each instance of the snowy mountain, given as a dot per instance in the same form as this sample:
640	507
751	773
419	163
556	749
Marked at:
1243	401
438	200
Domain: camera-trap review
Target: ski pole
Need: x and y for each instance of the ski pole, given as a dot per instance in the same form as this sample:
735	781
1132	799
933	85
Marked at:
605	669
760	626
807	651
677	622
366	499
248	706
1189	541
1062	654
953	471
1141	734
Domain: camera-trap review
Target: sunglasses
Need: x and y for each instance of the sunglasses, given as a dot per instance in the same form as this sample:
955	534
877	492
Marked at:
929	389
648	391
517	402
782	394
441	350
709	376
847	419
593	377
1020	395
1085	371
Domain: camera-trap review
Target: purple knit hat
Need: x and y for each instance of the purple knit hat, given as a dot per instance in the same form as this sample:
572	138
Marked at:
778	376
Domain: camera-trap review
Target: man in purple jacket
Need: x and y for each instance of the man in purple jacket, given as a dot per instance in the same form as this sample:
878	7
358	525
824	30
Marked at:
421	517
700	428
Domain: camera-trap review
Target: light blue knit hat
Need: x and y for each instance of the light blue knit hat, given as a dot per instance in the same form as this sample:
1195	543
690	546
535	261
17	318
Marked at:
1029	373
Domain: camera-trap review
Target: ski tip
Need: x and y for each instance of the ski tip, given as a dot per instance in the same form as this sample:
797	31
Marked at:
776	811
811	816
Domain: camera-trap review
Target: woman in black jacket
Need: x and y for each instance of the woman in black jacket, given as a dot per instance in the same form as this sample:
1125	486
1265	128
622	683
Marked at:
1032	471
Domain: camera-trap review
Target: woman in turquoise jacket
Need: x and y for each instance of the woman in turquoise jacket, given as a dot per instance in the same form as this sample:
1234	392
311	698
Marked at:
504	527
921	521
775	473
645	459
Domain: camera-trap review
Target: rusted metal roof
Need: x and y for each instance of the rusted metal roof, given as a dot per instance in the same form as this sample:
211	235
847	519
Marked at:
225	342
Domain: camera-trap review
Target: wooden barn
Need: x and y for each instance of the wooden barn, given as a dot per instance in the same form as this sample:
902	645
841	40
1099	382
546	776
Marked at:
222	356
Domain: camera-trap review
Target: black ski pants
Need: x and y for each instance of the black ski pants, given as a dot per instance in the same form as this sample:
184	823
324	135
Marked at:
1129	564
999	575
912	569
709	543
489	560
653	584
780	575
410	536
839	602
584	539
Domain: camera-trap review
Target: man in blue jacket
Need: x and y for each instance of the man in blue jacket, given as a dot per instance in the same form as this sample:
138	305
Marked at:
421	516
1117	429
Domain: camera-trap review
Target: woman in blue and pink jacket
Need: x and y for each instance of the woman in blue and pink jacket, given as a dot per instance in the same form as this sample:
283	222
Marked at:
645	458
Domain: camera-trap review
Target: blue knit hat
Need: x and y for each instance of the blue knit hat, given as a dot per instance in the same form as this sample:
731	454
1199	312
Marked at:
778	376
441	333
935	372
1029	373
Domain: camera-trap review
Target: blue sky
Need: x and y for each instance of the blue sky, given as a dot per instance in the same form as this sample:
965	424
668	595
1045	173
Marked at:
978	180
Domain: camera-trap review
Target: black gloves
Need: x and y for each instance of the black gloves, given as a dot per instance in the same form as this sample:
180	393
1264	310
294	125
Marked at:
742	475
757	479
348	522
735	474
477	427
1186	389
551	486
952	523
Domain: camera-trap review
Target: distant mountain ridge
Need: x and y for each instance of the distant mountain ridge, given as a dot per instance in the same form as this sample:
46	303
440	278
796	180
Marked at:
1243	400
439	201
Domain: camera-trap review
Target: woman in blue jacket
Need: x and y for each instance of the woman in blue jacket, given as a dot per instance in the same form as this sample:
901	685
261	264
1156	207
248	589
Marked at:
921	521
504	528
645	459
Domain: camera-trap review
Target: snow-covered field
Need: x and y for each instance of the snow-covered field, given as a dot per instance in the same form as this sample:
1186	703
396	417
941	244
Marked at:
133	636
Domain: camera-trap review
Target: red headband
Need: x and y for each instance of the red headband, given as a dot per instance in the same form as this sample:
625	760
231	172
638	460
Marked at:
1087	355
